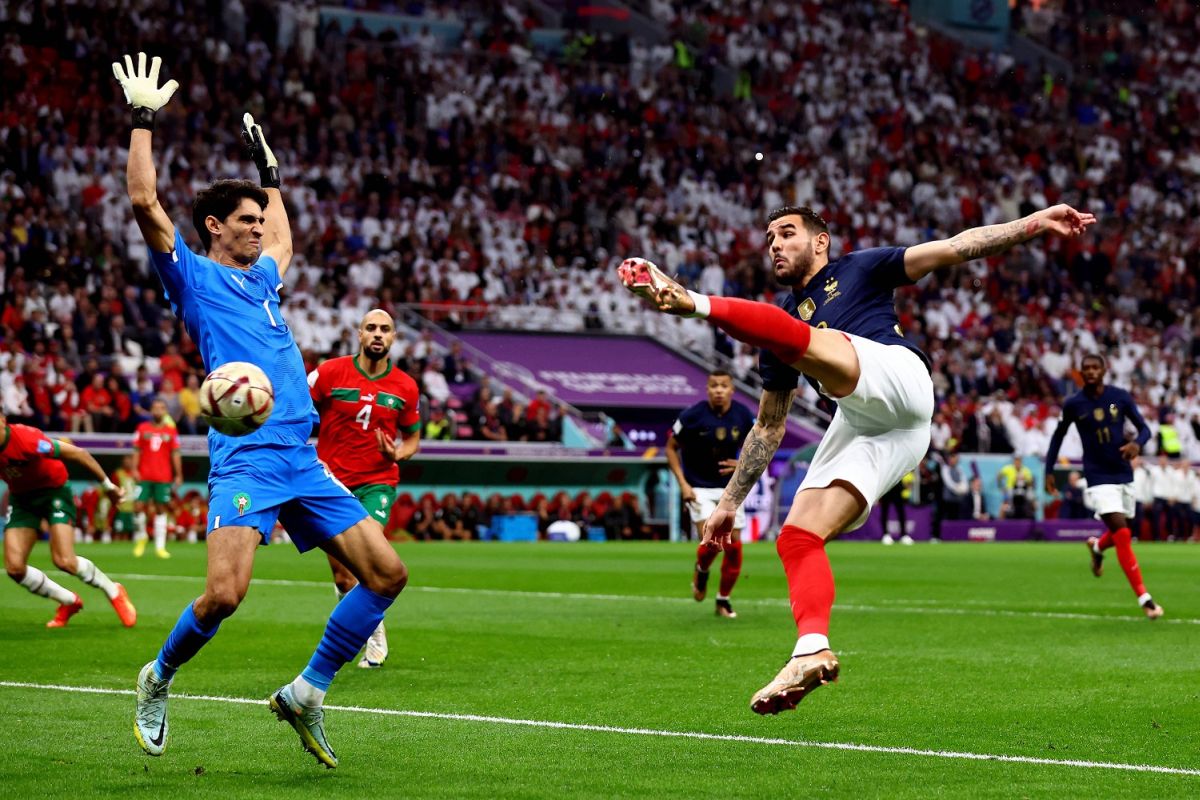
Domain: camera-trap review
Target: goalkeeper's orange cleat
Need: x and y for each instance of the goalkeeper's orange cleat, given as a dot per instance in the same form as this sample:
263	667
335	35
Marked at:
65	612
124	607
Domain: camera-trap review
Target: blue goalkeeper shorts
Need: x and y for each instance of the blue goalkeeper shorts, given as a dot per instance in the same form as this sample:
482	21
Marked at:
263	482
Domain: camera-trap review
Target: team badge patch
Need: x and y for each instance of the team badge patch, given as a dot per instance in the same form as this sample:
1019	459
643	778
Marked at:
1098	414
45	446
242	501
1112	409
807	309
721	434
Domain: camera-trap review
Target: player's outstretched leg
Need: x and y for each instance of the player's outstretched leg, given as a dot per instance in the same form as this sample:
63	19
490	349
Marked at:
759	324
810	587
731	570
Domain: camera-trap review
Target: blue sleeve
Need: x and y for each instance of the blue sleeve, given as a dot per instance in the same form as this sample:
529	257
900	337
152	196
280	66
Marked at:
884	266
1056	439
175	269
1135	414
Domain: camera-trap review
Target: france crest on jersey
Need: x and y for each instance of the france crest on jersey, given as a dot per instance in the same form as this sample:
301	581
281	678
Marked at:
233	315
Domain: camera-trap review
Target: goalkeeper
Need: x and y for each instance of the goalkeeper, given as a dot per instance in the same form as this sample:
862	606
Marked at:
228	300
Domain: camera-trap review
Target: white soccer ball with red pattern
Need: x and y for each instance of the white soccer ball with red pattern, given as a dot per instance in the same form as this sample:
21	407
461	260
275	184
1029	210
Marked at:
237	398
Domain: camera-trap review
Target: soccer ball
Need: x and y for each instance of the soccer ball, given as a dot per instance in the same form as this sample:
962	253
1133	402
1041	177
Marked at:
236	398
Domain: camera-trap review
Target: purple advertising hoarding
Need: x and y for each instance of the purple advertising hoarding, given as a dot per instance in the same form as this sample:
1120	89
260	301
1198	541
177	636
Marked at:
604	372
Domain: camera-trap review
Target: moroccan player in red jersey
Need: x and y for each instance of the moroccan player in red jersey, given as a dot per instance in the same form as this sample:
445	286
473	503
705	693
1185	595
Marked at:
158	466
838	328
37	487
364	402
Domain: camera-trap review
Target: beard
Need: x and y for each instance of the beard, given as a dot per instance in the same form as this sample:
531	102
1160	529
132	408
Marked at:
798	269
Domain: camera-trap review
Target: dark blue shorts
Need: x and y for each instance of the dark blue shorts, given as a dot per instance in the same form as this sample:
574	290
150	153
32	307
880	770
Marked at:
259	484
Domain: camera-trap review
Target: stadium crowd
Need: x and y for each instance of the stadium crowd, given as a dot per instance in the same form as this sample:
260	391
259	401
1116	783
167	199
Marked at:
490	180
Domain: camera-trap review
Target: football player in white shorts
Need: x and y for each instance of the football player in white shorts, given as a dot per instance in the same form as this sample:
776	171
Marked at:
838	327
1100	412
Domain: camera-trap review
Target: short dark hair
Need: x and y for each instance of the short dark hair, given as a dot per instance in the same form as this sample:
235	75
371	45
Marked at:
812	220
220	200
720	373
1094	357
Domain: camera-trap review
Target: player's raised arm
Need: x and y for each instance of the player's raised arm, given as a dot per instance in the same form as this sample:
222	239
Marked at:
143	93
277	230
990	240
757	451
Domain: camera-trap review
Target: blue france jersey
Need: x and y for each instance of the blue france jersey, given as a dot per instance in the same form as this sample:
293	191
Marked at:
233	315
707	438
1101	424
853	294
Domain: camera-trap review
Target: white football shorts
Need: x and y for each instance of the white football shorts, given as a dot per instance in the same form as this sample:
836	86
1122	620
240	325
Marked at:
1110	498
706	502
880	432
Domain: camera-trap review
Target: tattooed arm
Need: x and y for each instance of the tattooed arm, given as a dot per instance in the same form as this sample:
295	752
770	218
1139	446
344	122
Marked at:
760	446
757	451
991	240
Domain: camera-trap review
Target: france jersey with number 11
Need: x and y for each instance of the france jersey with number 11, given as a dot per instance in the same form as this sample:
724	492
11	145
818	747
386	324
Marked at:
233	315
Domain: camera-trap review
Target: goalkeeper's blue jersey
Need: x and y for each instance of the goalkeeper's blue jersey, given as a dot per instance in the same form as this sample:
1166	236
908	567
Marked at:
233	315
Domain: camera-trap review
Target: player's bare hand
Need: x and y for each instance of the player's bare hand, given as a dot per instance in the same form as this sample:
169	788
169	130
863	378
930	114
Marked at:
1051	486
726	466
687	493
648	282
388	447
177	483
141	84
718	528
1130	450
1065	221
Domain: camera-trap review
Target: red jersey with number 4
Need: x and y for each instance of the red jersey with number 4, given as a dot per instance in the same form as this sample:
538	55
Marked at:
352	407
154	444
29	460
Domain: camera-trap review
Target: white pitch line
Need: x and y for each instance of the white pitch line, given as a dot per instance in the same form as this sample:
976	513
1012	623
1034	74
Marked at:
882	609
695	735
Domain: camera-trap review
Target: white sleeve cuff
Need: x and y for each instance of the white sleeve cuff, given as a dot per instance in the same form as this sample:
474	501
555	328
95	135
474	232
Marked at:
703	305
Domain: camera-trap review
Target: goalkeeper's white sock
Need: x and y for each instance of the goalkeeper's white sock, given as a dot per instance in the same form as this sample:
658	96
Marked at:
38	582
160	531
90	574
306	694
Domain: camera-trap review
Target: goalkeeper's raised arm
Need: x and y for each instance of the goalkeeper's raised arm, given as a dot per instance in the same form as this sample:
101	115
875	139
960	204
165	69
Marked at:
277	230
145	97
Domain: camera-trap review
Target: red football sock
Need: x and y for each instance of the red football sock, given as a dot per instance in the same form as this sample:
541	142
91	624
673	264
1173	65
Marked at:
731	566
809	577
705	556
1106	541
1133	572
762	325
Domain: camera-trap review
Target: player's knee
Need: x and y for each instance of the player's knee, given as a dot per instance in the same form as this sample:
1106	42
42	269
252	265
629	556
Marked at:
389	580
220	602
344	582
65	562
15	571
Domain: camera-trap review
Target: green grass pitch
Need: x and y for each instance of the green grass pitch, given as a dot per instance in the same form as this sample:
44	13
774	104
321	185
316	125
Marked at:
994	650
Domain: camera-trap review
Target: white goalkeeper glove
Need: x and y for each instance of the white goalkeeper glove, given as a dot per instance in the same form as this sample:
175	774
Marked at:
142	90
260	152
